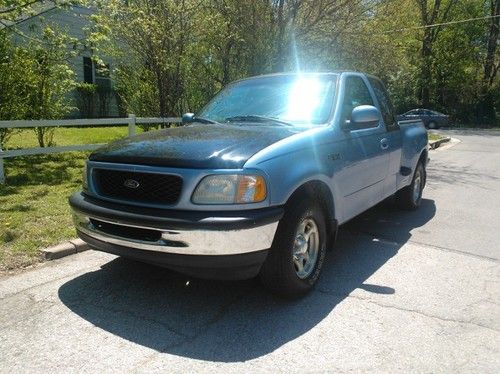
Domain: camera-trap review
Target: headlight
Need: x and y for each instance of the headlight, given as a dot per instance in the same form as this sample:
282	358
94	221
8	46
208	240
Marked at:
230	189
85	182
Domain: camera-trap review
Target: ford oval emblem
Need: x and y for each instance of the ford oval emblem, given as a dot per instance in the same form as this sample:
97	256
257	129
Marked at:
131	183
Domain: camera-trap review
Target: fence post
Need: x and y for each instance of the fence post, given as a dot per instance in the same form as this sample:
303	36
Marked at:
131	125
2	172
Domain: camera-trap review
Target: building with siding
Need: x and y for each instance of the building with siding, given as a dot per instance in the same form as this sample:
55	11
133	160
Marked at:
99	102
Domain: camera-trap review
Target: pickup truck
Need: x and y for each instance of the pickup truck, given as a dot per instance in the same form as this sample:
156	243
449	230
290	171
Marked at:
256	183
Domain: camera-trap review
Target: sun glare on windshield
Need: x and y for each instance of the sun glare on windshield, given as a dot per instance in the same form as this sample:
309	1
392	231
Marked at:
305	98
295	99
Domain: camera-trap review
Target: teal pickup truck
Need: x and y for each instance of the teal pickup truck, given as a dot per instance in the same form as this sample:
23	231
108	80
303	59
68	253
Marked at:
257	182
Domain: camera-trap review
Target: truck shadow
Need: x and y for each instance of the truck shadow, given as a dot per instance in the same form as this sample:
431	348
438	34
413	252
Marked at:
235	321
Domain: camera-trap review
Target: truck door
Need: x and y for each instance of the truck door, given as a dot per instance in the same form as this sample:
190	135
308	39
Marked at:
393	136
364	153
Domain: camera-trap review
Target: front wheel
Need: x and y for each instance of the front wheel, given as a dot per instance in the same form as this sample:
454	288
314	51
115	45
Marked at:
409	198
295	260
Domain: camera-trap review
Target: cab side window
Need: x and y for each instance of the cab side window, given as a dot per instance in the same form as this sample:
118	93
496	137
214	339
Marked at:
356	94
385	104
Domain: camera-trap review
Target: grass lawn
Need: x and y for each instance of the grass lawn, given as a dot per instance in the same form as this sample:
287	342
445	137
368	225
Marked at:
434	136
69	136
34	212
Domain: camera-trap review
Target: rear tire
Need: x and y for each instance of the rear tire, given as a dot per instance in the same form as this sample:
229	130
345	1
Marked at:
409	198
433	125
294	262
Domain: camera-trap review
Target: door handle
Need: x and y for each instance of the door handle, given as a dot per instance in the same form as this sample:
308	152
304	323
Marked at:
384	143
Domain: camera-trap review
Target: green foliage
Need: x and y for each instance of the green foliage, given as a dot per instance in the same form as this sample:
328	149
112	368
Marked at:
149	40
35	80
85	98
171	56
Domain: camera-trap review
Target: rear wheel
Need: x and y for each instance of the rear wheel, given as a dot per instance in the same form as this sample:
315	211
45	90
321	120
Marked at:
295	260
409	198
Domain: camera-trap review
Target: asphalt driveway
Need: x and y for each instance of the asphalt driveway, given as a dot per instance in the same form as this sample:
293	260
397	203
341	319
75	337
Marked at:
403	291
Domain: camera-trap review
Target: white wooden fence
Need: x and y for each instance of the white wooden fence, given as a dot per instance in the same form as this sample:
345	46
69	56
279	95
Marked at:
131	121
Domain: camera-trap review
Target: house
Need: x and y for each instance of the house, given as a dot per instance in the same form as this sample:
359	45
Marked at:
101	101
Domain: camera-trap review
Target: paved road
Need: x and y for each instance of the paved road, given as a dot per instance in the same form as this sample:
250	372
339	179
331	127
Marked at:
461	210
415	291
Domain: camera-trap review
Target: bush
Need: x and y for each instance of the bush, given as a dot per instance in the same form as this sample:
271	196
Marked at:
35	80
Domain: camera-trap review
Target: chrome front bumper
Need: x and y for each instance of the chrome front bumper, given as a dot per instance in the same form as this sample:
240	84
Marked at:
186	242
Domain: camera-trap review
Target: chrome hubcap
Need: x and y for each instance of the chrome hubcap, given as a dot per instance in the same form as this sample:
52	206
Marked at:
306	248
417	186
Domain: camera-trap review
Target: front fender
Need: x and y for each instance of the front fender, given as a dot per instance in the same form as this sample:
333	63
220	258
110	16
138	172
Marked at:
297	162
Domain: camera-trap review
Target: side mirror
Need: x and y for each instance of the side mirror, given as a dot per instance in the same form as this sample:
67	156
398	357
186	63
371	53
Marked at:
363	117
188	117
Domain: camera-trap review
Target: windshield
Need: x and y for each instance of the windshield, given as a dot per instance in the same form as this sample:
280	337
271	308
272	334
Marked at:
297	99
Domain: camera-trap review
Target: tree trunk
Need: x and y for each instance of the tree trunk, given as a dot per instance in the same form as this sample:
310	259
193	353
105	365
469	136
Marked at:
489	65
279	63
162	95
430	16
426	72
486	105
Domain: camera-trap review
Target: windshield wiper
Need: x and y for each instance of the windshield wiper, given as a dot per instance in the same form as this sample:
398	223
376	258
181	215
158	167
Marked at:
205	120
256	118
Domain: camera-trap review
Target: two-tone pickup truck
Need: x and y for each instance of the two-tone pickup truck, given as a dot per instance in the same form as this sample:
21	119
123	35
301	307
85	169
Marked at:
257	182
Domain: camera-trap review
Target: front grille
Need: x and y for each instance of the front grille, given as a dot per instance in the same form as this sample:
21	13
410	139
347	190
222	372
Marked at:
138	187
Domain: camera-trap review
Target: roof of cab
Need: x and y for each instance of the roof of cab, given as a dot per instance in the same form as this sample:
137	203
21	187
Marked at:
291	73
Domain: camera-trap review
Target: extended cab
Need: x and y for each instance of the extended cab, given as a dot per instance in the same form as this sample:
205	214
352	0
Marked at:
257	182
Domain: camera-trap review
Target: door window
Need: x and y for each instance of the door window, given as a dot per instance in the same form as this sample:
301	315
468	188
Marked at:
385	104
356	94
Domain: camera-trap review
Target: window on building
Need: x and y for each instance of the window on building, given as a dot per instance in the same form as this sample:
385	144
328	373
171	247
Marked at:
95	73
88	75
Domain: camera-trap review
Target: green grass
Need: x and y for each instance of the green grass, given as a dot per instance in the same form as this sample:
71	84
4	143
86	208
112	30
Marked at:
69	136
433	136
34	211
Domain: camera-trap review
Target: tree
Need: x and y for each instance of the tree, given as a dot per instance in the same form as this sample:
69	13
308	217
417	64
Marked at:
490	65
50	79
432	14
35	74
35	79
490	98
173	55
148	39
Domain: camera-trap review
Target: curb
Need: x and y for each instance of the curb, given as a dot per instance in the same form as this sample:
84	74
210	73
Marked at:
436	143
64	249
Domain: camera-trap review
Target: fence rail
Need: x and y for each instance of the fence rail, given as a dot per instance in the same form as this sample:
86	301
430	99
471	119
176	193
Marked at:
131	122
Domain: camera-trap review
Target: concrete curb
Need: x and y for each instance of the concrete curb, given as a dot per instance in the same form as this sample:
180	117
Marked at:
436	143
65	249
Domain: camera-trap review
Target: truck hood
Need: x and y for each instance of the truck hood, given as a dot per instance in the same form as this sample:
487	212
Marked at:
203	146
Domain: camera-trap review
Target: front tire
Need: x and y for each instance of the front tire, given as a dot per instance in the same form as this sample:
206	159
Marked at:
295	260
409	198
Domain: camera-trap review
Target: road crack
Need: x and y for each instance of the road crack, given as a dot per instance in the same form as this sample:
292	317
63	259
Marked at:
408	310
387	240
187	338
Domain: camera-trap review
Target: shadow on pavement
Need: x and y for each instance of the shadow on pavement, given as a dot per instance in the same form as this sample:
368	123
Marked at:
234	321
445	172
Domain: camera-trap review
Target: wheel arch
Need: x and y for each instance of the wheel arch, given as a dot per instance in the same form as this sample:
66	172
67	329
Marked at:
423	157
319	190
